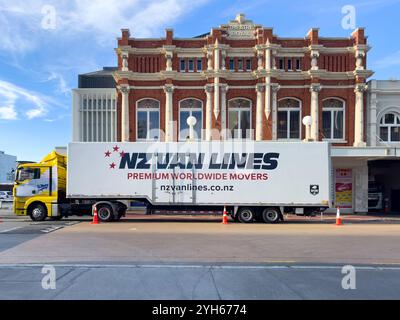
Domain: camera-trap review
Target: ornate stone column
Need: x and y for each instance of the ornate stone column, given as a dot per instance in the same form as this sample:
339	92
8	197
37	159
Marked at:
169	130
314	59
223	59
169	55
168	51
224	90
209	90
315	89
209	60
260	57
268	56
275	88
124	89
273	55
359	55
359	116
259	111
267	97
125	62
216	79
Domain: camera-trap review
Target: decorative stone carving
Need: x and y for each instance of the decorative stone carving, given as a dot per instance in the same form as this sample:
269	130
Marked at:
125	60
314	59
360	55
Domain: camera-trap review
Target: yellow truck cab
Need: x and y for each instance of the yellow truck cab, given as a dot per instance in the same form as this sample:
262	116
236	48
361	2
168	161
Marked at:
40	187
40	192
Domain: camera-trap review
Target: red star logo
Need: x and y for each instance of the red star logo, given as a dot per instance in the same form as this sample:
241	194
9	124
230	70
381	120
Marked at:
116	149
122	154
112	165
107	154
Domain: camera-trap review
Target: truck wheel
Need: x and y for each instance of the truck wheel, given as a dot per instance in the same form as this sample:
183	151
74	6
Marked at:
271	215
38	212
245	215
121	213
105	213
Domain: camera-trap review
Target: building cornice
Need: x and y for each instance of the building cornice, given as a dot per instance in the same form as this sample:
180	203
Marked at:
95	90
230	75
243	51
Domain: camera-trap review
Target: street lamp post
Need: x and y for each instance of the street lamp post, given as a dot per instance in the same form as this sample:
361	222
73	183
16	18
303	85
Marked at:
191	121
307	121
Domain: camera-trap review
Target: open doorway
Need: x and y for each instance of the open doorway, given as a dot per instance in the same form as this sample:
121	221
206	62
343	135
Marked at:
384	186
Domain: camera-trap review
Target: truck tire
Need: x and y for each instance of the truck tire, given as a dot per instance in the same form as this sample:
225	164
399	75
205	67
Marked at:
245	215
271	215
105	213
121	213
38	212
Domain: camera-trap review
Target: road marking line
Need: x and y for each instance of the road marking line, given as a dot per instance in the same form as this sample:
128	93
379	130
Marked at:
51	229
178	266
12	229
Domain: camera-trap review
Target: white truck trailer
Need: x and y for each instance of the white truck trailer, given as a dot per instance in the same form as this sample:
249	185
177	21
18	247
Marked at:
254	180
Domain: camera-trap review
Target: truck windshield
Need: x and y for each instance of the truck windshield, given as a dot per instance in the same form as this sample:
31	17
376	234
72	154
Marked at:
28	174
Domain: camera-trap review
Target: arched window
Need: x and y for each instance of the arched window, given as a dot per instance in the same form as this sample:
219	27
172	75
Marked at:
389	127
148	119
289	110
333	119
239	118
190	107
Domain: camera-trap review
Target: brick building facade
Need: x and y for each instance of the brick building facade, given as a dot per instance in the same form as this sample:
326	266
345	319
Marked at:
242	81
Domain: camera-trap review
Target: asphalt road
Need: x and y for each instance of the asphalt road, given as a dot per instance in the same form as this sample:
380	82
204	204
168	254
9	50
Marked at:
16	231
169	282
199	258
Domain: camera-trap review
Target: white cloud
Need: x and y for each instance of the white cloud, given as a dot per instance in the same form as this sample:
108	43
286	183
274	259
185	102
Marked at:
19	101
8	113
83	40
62	86
21	20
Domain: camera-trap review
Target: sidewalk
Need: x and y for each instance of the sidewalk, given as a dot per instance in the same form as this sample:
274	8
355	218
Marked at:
325	218
8	214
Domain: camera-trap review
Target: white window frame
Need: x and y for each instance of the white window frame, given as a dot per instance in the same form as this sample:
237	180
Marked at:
197	64
342	139
290	64
231	60
238	64
389	126
190	110
237	109
193	68
280	59
251	64
147	110
180	65
300	66
288	110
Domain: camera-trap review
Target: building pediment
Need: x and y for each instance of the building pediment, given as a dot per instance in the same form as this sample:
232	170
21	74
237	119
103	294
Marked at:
240	28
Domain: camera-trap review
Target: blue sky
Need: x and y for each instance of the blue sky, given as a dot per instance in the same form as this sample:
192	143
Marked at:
41	58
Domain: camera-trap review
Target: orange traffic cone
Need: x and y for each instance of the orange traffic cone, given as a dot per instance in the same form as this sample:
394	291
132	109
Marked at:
95	216
338	219
225	217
